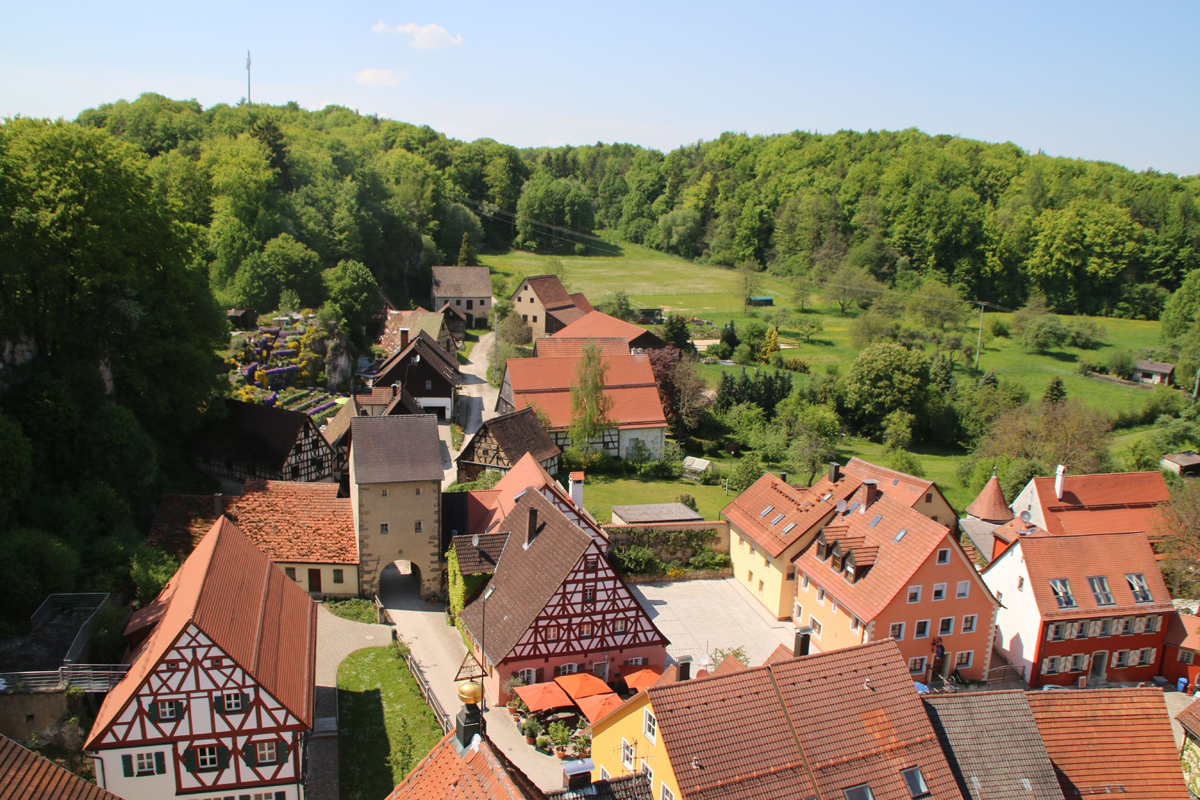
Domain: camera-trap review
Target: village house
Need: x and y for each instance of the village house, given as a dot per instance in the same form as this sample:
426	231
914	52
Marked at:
1181	649
553	605
218	700
555	347
25	775
546	307
1154	372
1189	720
375	402
919	494
502	441
846	724
467	289
1186	463
425	370
598	325
304	528
1082	609
1118	502
486	508
399	327
636	411
257	441
846	560
395	492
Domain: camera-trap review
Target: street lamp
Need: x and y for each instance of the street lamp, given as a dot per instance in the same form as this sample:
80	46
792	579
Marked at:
483	642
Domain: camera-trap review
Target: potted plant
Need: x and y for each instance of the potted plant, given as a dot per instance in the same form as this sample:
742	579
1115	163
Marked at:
583	745
515	704
560	734
532	728
517	707
543	743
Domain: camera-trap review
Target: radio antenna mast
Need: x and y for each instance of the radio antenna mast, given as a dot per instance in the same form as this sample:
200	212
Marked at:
249	102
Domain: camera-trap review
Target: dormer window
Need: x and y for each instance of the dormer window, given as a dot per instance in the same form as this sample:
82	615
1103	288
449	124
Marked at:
1062	593
850	567
836	562
1137	585
1100	591
822	547
766	511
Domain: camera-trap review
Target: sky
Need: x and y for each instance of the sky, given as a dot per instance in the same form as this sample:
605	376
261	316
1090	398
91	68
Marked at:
1094	80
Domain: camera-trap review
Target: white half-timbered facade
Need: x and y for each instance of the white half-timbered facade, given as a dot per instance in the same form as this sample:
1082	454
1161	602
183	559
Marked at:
556	606
218	701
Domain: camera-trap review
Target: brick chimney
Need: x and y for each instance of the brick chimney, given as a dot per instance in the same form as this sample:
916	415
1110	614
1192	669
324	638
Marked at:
835	472
872	487
532	530
403	338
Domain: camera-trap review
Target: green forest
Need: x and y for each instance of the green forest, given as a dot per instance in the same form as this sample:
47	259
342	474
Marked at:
125	234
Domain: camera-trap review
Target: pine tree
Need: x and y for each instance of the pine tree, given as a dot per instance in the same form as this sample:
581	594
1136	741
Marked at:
466	253
1056	392
726	392
729	336
770	345
676	334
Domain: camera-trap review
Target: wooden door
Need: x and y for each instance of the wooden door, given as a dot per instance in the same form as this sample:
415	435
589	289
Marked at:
314	580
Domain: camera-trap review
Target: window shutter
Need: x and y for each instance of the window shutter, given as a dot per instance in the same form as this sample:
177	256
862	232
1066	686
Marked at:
127	766
541	674
281	796
243	797
178	709
1158	623
245	702
1094	628
1045	665
1087	660
189	760
1049	633
219	703
152	711
250	754
160	763
222	756
1153	655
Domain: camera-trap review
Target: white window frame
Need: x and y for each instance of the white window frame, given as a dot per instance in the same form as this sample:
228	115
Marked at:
815	624
649	772
206	757
271	748
914	594
166	710
232	702
917	629
650	725
383	529
620	625
804	581
891	631
820	596
922	786
1078	662
528	675
626	755
855	622
939	587
1186	656
797	611
959	663
419	526
919	661
963	590
143	764
943	556
973	619
942	624
666	793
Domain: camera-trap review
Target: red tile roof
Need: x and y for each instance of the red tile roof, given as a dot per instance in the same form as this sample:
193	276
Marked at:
907	489
629	383
426	347
288	521
780	653
597	324
990	504
566	315
1076	558
1183	630
1103	503
728	666
556	347
803	509
1189	718
1110	741
479	772
25	775
232	592
824	722
581	302
549	291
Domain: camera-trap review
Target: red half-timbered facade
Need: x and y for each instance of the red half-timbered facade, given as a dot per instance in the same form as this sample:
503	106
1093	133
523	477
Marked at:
219	697
556	605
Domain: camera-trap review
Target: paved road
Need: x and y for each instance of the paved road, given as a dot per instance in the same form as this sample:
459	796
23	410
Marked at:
477	397
438	650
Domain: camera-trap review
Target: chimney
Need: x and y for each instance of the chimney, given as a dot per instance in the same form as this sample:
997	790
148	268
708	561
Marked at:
1060	476
577	775
872	490
783	477
683	670
395	388
576	489
531	532
835	472
403	338
800	648
218	506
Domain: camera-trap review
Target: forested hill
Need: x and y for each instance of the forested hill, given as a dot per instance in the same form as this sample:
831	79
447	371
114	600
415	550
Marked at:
281	194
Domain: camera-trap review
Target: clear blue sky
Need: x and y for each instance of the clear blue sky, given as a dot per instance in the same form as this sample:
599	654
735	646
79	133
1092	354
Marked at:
1096	80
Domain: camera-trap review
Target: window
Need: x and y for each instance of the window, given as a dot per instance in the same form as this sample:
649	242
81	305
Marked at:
626	754
619	626
760	587
855	623
833	604
943	555
527	676
1100	591
383	529
419	526
524	317
649	772
566	669
1124	627
339	576
1078	662
896	631
964	659
861	792
585	630
749	576
968	623
1147	656
803	581
535	315
233	701
791	575
590	565
667	794
815	625
766	561
1021	583
776	520
929	497
916	664
217	663
921	631
915	782
589	594
266	752
1062	593
470	305
914	594
145	764
1055	632
963	590
206	757
635	662
1137	584
295	472
604	774
899	534
939	591
1119	658
649	725
1185	656
946	626
418	491
766	511
820	595
551	633
1105	627
383	493
166	709
290	572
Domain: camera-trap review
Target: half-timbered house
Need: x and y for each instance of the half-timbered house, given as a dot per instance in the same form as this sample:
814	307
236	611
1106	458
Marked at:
428	372
501	442
555	606
218	700
257	441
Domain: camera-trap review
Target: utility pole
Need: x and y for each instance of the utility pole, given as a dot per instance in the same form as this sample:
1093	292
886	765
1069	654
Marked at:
979	341
249	102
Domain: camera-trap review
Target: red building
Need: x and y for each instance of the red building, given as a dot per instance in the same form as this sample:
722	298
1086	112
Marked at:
1089	606
1181	649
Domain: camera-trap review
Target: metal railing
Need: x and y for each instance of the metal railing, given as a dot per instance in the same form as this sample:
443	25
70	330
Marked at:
60	602
1006	672
443	719
89	677
84	634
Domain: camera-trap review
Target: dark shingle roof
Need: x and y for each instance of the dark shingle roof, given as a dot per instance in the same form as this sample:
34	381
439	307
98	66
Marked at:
462	282
549	290
657	512
429	350
519	433
480	560
24	775
993	745
624	787
395	449
253	434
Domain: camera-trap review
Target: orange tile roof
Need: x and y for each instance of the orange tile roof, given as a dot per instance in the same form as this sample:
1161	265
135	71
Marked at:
1076	558
636	407
232	592
1103	503
802	510
1183	630
556	347
480	772
549	290
907	489
728	666
25	775
824	722
629	383
597	324
290	522
581	302
990	504
1110	741
558	373
1189	718
780	653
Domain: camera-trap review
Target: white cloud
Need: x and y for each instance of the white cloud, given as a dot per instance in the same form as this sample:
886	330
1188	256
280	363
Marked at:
431	35
374	76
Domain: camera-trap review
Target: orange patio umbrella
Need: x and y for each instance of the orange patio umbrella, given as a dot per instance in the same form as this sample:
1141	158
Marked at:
543	696
597	705
582	684
642	679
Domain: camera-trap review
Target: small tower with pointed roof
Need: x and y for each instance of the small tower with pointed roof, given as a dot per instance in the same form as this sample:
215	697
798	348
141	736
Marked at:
990	505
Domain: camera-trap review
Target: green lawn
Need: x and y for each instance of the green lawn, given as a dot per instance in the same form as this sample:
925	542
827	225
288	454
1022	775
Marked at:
602	491
355	608
385	727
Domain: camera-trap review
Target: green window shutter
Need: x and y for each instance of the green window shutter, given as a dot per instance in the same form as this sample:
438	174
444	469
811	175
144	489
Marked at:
219	703
189	760
178	709
127	766
222	756
152	711
245	702
250	754
160	763
281	796
243	797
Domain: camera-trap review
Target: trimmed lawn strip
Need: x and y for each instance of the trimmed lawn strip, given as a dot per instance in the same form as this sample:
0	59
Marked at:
385	726
355	609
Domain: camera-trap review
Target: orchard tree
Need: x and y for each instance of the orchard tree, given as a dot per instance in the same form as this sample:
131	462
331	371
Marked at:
885	377
849	285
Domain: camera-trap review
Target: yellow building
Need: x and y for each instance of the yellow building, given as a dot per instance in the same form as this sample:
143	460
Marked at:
627	741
